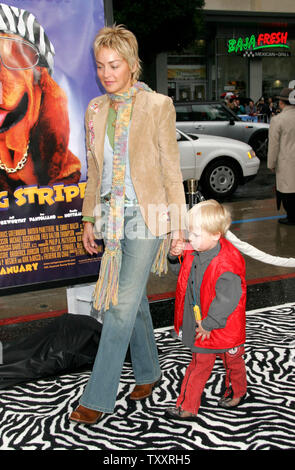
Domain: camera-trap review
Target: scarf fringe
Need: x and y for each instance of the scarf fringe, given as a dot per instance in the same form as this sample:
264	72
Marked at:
160	264
106	289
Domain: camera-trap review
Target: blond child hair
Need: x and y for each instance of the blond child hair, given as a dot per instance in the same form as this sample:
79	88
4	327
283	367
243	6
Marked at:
211	216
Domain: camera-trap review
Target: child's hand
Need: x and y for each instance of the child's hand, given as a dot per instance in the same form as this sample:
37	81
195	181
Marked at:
177	243
177	247
201	333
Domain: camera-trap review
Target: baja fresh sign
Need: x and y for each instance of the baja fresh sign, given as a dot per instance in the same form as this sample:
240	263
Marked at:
266	44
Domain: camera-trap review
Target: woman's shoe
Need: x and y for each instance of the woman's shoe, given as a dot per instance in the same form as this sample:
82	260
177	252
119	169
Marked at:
143	391
178	413
85	415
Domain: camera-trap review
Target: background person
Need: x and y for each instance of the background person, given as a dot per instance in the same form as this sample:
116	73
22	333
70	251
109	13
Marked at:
239	108
251	109
281	155
133	166
271	108
261	106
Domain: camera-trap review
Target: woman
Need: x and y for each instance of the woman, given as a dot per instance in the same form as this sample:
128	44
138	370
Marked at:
135	191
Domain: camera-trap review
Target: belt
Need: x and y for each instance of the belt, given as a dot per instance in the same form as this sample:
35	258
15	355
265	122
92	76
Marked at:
127	202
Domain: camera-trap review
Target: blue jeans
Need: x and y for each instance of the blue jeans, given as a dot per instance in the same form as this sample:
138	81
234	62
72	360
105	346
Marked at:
128	322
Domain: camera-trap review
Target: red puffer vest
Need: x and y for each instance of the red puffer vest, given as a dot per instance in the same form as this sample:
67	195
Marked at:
228	259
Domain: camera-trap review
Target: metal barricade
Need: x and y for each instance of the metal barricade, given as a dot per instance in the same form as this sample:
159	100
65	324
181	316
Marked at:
192	194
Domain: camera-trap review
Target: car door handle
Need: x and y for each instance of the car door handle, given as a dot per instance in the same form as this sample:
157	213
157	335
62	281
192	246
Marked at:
199	127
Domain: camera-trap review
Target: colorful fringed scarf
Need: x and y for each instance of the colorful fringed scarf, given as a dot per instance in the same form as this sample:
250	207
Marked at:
106	290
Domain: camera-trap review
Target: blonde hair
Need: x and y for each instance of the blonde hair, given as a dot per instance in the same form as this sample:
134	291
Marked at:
124	42
211	216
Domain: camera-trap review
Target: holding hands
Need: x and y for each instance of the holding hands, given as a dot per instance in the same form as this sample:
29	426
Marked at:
177	244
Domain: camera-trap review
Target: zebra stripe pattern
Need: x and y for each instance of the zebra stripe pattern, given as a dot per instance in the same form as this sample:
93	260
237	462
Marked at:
34	416
23	23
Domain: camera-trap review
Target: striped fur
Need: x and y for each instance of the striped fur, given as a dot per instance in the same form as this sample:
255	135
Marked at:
17	21
35	415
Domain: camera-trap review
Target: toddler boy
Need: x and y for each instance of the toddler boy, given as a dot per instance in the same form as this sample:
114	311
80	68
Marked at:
210	307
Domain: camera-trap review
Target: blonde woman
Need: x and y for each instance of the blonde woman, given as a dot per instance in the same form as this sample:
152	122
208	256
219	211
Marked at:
134	197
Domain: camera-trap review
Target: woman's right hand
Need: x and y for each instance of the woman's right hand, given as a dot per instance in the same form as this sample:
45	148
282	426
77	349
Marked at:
88	239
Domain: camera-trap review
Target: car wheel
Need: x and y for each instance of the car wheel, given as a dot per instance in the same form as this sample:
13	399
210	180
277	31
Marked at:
220	179
260	146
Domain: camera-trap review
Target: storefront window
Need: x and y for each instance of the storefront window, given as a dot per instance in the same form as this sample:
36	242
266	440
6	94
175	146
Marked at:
231	71
278	72
187	74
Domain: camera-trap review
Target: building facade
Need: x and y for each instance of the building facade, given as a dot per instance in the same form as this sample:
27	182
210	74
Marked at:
248	47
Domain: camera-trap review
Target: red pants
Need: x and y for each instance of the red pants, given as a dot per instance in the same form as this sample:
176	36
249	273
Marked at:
199	371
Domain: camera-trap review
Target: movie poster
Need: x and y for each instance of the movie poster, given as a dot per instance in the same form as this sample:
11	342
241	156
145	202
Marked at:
47	78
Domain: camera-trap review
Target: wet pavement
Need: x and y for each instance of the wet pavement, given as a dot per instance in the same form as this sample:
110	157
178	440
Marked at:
255	221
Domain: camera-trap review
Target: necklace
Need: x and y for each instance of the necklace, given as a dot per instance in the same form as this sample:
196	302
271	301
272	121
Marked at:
20	164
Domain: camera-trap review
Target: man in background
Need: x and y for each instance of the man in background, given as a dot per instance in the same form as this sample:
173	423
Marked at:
281	154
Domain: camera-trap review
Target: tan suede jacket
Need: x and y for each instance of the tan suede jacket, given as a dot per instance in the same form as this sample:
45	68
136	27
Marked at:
154	160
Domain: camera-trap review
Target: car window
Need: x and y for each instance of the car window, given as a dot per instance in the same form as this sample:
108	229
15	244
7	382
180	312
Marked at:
184	113
181	137
210	112
193	136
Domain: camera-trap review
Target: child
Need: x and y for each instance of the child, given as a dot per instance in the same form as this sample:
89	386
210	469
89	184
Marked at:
210	306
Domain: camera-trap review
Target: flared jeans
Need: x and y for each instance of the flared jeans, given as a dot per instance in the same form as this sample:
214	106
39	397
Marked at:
127	323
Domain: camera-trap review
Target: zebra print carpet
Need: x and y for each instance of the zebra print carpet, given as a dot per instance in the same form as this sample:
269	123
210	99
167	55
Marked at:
34	416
